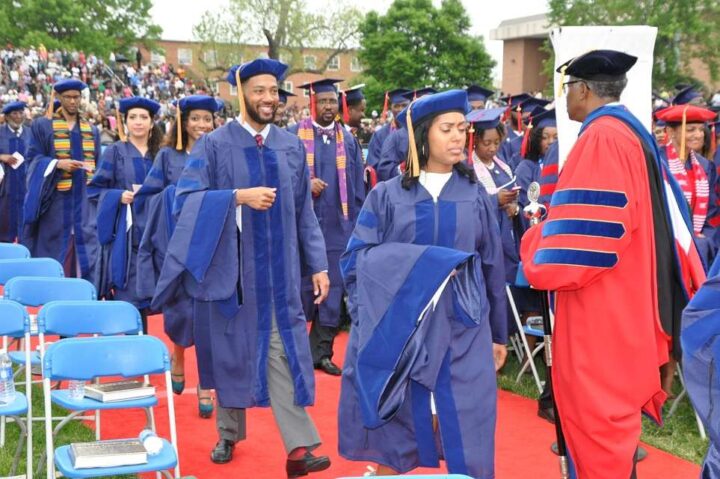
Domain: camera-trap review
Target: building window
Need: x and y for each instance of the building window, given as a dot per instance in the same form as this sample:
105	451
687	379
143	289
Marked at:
288	86
334	64
309	61
306	93
210	58
233	90
157	58
355	64
185	56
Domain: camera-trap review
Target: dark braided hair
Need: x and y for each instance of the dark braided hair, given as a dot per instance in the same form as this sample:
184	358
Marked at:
423	149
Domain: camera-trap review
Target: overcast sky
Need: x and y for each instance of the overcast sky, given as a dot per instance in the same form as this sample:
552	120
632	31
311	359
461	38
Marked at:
177	17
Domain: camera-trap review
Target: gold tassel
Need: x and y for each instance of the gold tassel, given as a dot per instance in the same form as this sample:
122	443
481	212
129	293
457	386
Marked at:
562	80
51	107
120	126
178	122
682	134
241	97
413	162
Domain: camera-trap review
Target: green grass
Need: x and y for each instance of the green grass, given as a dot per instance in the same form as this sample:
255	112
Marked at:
75	431
678	436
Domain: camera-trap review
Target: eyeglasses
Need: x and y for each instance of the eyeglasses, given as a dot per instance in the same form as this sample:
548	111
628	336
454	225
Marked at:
566	85
326	101
71	97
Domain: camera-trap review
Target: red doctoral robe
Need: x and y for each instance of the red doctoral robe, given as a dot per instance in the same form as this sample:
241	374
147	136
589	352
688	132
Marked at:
596	250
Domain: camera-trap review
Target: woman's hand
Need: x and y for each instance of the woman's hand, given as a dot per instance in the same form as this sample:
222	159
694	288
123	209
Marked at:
506	196
127	197
499	355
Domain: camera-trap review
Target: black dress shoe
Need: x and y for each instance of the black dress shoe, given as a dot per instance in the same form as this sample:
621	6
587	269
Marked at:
547	413
306	465
329	367
223	452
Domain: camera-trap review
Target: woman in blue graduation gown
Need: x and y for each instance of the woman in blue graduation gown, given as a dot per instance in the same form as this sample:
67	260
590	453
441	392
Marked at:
195	118
529	169
416	340
14	141
498	180
120	217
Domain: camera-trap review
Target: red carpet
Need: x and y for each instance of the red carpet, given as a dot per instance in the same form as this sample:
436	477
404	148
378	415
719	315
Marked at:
522	451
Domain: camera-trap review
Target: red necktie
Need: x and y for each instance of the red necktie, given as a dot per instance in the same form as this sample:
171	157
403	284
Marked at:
259	140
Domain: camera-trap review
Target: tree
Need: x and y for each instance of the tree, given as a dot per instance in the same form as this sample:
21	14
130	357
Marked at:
687	30
287	27
416	44
97	26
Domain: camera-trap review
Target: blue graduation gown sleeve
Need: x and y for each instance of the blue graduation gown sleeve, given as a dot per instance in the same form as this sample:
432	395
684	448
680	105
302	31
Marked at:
376	144
394	152
12	186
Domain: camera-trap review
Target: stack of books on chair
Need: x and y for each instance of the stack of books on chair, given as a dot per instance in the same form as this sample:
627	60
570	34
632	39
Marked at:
111	453
119	391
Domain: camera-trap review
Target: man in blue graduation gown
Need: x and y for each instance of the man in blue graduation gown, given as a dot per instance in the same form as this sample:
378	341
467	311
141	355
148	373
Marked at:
14	140
395	148
336	168
59	221
477	96
398	102
245	235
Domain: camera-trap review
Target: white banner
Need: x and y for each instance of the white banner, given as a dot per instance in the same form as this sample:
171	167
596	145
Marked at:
639	41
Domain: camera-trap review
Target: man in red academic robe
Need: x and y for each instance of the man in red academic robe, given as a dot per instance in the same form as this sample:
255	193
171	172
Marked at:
617	262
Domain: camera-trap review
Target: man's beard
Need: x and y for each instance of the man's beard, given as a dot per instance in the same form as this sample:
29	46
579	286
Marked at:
255	116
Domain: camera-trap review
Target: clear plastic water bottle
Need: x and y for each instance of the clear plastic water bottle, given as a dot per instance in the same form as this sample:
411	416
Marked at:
152	443
76	389
7	383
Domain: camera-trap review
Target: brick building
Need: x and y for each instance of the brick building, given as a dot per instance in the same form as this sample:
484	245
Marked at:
199	62
523	55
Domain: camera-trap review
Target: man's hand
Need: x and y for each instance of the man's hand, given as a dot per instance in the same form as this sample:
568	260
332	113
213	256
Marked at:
317	186
321	286
8	159
127	197
260	198
69	165
499	355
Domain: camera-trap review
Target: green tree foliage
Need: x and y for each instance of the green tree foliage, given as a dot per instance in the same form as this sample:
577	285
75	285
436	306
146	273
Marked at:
416	44
687	30
287	27
97	26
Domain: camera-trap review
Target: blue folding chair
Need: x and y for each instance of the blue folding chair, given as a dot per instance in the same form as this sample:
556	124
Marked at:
13	251
15	322
89	358
97	318
524	331
48	267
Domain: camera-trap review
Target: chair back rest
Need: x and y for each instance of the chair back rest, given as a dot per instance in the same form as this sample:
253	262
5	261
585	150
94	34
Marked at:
13	251
73	318
36	291
87	358
14	319
10	268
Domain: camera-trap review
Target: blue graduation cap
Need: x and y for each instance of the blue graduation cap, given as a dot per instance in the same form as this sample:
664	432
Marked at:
354	94
486	119
70	84
220	104
685	96
260	66
422	109
14	106
284	95
127	104
600	65
478	93
513	101
198	102
545	119
398	95
413	95
321	86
